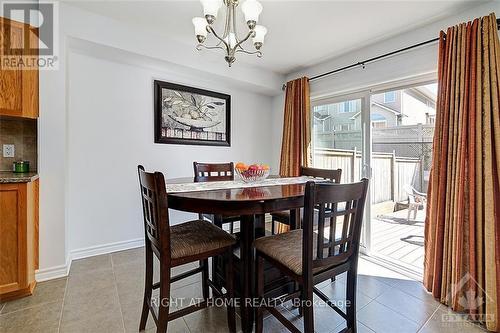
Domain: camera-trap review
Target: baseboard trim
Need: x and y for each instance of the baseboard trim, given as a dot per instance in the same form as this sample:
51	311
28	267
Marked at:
52	272
106	248
63	270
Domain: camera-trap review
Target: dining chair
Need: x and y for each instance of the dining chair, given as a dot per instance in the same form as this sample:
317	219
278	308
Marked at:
209	172
333	175
308	258
177	245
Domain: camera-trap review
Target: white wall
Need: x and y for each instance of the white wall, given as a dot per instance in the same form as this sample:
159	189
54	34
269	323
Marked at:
110	132
96	125
415	65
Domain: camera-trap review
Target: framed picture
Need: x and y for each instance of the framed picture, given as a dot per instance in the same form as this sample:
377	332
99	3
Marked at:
191	116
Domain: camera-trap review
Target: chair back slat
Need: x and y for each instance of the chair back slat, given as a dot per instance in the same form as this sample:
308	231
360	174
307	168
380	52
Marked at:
321	230
206	172
155	211
334	250
328	174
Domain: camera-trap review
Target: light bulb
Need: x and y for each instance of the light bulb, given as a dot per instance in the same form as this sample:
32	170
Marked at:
258	39
210	9
231	39
200	28
251	9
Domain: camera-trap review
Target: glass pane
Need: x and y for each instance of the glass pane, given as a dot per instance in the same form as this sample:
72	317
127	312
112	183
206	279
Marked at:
402	123
337	137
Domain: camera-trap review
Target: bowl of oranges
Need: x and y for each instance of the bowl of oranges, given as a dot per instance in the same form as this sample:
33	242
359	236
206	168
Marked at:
253	172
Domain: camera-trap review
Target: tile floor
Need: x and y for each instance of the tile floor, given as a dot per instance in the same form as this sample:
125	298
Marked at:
104	293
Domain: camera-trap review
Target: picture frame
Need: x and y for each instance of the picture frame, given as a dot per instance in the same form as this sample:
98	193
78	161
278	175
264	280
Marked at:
191	116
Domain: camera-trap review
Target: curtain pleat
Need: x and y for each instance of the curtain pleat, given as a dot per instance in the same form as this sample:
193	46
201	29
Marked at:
462	230
296	143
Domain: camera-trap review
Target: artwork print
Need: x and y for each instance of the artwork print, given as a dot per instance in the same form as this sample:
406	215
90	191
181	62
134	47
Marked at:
187	115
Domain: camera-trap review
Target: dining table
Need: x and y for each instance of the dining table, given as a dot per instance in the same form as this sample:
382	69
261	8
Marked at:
250	201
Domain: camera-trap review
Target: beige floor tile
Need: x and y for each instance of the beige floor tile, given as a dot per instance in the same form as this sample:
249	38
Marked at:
89	284
45	292
102	322
412	287
361	328
371	286
409	306
43	318
79	305
104	294
132	316
189	280
209	320
128	256
130	280
325	318
184	296
271	324
176	326
102	262
380	318
336	291
445	321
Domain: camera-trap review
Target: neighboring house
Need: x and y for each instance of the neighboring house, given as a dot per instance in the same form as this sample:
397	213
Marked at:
338	125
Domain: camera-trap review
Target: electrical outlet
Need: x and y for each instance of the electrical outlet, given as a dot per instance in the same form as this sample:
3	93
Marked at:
9	151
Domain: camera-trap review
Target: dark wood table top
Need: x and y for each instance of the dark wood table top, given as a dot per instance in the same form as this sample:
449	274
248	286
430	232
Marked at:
239	201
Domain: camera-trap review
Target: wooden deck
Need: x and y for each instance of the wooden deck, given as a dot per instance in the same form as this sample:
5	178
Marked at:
398	240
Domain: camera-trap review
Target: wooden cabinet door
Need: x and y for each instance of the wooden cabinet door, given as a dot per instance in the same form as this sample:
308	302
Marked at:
11	81
13	238
18	87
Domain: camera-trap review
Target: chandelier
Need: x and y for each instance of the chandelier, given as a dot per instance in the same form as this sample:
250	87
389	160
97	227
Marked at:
229	41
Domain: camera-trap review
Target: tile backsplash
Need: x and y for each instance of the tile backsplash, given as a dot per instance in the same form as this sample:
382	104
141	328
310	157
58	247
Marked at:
22	133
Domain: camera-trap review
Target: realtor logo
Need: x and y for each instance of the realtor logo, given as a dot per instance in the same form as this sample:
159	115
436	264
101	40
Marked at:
471	301
30	35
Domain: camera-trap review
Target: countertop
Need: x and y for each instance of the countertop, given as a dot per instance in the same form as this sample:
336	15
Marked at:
11	177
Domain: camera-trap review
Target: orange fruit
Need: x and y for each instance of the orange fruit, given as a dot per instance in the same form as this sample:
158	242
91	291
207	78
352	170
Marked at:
241	166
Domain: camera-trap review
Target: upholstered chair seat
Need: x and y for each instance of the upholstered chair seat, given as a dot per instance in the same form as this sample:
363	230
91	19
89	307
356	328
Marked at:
286	248
195	237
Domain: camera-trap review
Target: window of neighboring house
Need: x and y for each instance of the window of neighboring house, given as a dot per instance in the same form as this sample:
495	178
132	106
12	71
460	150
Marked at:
390	97
348	106
431	119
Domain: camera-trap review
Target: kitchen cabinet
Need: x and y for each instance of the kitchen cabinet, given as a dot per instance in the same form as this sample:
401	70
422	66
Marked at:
18	238
18	84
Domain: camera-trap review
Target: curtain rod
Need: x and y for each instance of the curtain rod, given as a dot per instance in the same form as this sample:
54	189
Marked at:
364	62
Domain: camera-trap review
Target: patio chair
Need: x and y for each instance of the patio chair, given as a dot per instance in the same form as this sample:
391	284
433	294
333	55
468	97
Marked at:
416	200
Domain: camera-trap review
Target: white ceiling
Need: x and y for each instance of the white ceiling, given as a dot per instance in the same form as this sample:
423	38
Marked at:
300	33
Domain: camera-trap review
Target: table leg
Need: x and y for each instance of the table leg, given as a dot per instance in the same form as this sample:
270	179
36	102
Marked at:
294	219
260	226
247	262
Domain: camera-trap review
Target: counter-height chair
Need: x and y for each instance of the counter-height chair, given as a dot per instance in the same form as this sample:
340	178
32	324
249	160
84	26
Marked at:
178	245
308	258
209	172
334	175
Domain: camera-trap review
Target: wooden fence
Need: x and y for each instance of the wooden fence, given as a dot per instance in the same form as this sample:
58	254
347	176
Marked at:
390	173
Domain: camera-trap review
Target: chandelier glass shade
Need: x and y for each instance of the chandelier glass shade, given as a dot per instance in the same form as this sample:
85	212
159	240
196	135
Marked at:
229	41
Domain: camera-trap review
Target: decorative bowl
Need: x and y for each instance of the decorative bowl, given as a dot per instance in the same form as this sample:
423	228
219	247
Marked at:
252	175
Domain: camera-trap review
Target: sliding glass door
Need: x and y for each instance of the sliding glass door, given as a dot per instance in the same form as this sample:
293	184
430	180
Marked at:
339	138
402	128
387	137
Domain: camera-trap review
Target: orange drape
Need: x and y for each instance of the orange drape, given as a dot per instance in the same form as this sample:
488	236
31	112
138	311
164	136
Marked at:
462	229
296	143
